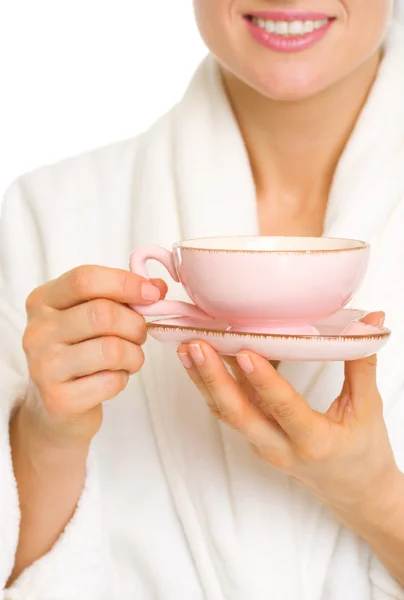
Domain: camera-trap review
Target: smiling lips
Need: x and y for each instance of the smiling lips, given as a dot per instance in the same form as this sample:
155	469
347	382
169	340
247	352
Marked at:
288	31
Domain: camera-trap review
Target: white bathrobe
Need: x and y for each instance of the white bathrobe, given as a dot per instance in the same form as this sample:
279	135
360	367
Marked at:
176	507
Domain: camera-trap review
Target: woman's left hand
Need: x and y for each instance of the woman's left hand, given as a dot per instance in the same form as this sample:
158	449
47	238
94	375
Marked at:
344	456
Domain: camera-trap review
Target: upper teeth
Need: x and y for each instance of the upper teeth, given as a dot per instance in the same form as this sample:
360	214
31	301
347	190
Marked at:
289	28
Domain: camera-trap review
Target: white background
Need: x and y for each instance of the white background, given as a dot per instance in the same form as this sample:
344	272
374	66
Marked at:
78	74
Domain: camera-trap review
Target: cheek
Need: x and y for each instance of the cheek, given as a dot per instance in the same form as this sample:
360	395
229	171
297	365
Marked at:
367	28
211	18
219	24
381	10
365	32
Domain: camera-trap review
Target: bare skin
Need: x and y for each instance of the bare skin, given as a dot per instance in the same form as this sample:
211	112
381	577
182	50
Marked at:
82	345
294	148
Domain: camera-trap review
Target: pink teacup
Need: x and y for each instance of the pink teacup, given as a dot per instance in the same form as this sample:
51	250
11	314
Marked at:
259	283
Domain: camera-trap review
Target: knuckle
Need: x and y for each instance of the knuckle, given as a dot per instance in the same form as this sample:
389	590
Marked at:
140	328
137	360
209	380
81	279
33	300
201	387
103	314
114	383
230	416
49	327
260	403
42	369
126	282
214	410
316	444
283	410
30	339
273	456
37	334
261	387
55	400
312	453
51	363
112	351
278	461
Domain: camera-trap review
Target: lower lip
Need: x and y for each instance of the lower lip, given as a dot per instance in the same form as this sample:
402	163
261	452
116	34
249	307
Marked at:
280	43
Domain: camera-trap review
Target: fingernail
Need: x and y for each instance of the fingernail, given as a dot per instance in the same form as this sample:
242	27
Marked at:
150	293
197	354
245	363
185	359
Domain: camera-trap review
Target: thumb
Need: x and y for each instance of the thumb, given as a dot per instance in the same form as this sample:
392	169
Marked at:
361	381
376	318
364	371
361	375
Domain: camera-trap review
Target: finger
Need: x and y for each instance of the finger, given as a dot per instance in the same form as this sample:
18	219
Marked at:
90	282
229	399
240	377
99	318
77	397
279	399
93	356
361	375
245	385
193	373
233	404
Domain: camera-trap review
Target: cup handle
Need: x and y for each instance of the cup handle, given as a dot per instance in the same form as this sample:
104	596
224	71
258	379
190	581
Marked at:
137	263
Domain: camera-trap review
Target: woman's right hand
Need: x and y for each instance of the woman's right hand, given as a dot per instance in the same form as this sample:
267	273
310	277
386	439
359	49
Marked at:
82	344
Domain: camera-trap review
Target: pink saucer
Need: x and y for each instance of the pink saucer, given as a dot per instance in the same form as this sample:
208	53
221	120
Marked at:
342	337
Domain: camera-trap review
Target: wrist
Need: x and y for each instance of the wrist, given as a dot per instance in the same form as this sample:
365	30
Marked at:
56	429
378	511
45	444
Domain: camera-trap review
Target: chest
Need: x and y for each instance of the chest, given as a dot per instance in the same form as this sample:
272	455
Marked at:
290	219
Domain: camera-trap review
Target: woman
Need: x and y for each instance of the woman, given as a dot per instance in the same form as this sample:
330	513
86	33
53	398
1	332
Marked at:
296	129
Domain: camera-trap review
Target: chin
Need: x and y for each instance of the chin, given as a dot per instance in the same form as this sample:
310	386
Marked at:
287	84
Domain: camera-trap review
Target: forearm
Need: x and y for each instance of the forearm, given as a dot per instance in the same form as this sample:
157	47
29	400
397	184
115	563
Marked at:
381	524
50	478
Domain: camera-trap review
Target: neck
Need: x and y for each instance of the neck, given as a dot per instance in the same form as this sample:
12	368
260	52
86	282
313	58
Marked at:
294	147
